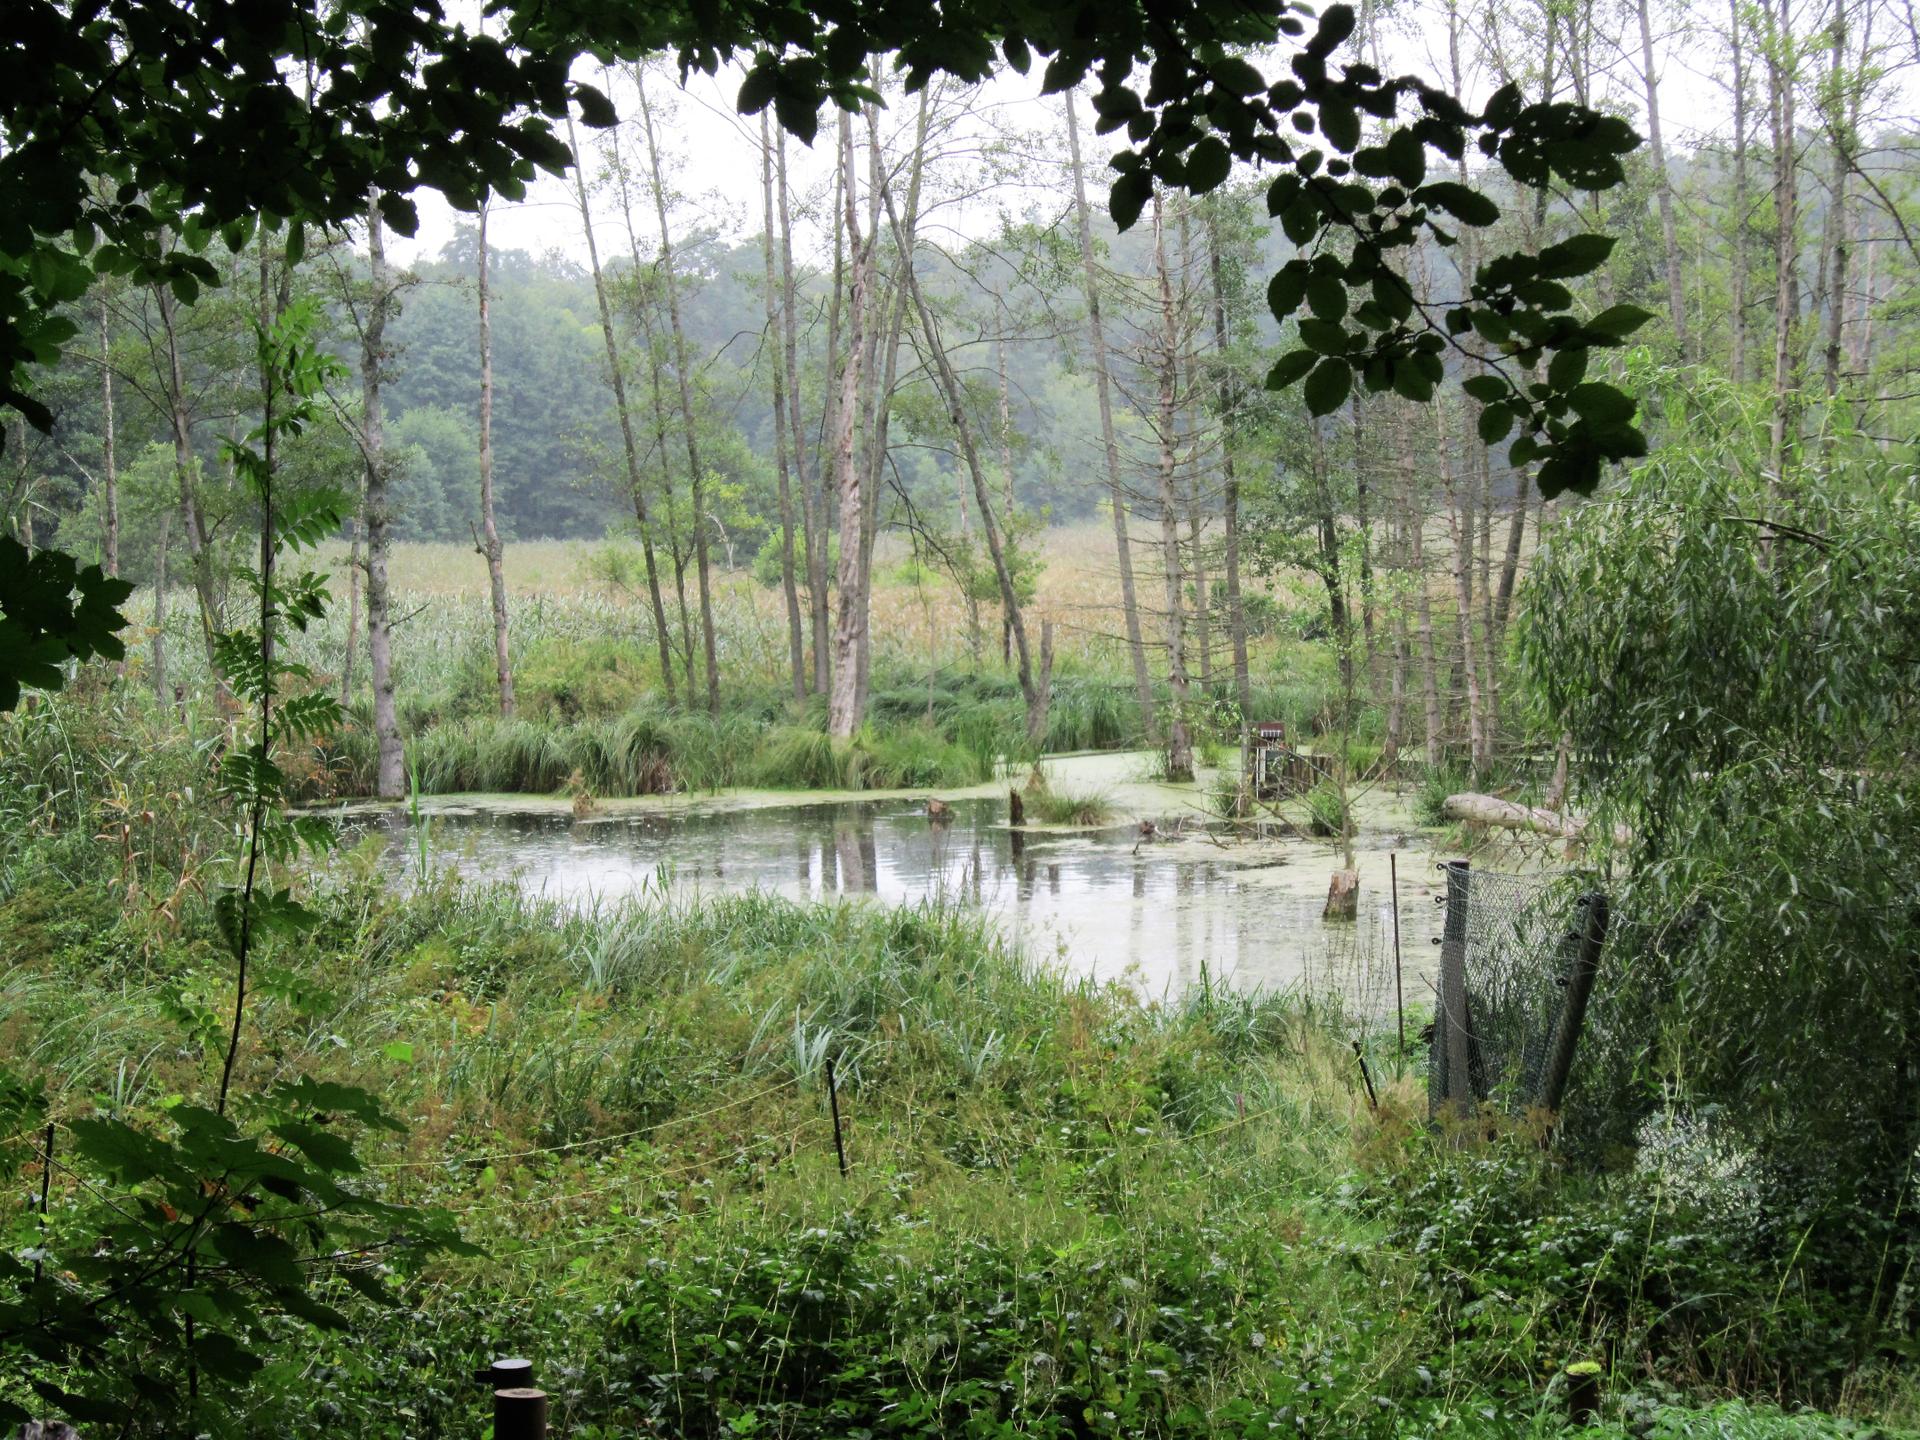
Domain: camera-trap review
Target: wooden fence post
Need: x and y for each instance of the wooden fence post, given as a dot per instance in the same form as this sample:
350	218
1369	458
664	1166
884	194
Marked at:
1452	1036
520	1414
1573	1010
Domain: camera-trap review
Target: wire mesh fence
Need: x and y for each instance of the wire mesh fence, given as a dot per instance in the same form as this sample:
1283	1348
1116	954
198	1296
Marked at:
1352	972
1517	960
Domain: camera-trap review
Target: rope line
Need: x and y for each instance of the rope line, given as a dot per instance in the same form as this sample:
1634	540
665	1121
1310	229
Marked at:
582	1144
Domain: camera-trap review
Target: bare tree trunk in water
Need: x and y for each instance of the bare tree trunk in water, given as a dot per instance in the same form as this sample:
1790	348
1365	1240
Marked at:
813	511
616	377
1202	668
1036	692
491	547
830	420
682	368
1229	408
882	376
1103	385
110	471
1663	186
850	627
1179	742
813	514
796	636
391	777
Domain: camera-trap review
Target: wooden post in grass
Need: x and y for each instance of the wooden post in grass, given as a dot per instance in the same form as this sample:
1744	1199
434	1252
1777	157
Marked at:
519	1410
520	1414
1399	999
1452	1037
1583	1392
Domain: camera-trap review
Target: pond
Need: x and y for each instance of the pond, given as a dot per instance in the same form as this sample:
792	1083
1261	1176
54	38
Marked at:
1163	911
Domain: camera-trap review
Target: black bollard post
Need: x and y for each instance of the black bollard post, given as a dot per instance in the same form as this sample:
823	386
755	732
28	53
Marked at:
520	1414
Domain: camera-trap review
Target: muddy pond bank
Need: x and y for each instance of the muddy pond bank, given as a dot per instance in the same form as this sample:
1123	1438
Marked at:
1190	902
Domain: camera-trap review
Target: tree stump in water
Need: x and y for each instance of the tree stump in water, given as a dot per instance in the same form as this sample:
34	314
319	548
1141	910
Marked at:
1343	896
1016	809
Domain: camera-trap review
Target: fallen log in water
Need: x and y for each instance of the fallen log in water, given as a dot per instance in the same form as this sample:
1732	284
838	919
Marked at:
1506	815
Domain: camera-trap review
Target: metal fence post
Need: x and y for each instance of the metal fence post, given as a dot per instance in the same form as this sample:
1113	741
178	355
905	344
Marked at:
1452	1039
1573	1010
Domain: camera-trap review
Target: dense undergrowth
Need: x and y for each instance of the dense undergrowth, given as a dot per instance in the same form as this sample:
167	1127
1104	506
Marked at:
591	703
1068	1211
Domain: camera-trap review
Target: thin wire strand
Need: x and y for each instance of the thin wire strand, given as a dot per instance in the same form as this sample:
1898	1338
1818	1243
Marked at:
583	1144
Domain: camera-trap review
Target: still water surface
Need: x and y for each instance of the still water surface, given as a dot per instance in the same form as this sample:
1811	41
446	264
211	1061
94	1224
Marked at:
1161	912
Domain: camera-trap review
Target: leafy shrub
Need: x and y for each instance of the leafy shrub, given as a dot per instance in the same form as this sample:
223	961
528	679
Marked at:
1326	811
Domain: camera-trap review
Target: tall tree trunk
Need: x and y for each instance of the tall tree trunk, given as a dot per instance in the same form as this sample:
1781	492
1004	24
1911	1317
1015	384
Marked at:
1414	498
617	378
490	545
1362	518
1397	677
1179	742
813	513
160	606
1489	655
879	409
682	368
1005	436
193	520
1662	186
391	779
796	637
1110	446
110	470
1230	500
1510	563
1782	67
1737	279
1460	537
850	625
354	528
1035	691
1841	140
1202	670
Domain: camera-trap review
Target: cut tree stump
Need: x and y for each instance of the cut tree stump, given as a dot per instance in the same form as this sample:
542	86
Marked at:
1343	896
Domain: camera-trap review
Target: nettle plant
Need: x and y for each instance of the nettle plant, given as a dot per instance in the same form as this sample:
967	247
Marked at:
140	1301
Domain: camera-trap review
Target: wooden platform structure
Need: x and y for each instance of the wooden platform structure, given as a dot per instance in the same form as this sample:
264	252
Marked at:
1274	768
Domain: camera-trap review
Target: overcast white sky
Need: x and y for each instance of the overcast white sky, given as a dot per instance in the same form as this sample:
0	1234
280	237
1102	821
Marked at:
718	158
